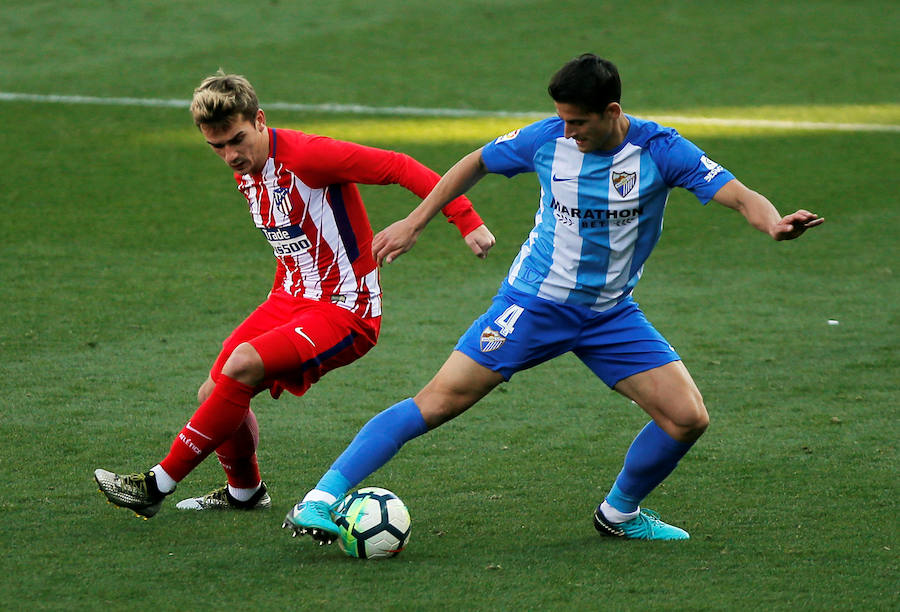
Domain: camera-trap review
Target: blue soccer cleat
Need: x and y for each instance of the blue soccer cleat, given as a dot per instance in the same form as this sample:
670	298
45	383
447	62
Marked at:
313	518
645	526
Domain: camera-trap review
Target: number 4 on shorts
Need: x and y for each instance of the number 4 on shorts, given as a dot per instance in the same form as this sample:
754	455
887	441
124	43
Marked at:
507	321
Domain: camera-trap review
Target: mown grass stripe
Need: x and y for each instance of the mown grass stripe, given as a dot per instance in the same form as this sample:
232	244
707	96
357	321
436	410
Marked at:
408	111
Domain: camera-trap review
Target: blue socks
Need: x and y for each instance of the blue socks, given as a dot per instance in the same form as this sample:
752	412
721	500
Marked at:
373	446
650	458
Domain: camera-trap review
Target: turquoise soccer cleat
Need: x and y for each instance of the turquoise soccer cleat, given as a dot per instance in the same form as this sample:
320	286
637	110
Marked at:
645	526
313	518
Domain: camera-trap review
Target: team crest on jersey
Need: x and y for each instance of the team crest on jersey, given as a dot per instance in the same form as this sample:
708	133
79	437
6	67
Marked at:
491	340
624	182
280	199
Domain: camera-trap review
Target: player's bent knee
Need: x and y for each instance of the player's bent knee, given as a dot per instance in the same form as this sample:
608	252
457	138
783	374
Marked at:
205	390
244	365
441	405
457	386
700	424
436	411
692	420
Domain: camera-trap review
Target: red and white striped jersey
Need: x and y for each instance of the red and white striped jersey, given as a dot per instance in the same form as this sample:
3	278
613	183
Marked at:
308	207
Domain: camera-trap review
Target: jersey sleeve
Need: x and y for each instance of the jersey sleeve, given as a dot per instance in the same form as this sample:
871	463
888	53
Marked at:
684	164
513	153
328	161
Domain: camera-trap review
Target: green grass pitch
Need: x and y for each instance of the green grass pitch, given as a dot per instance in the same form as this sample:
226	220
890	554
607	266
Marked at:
126	256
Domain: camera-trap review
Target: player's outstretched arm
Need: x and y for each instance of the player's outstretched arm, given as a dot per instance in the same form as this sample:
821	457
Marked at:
761	214
401	236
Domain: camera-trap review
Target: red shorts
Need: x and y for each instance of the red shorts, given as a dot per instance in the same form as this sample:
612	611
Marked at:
299	340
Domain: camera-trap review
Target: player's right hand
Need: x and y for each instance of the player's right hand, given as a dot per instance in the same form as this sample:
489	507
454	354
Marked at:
393	241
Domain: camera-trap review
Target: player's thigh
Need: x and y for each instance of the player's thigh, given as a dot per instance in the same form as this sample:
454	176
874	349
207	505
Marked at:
669	395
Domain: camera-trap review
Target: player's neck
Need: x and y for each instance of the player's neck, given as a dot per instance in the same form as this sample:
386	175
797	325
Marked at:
618	134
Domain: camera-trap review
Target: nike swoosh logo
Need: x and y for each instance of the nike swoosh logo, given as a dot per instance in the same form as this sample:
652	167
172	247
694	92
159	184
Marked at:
556	179
299	330
199	433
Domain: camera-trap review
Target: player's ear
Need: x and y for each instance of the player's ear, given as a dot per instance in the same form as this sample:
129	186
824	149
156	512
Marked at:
613	110
260	120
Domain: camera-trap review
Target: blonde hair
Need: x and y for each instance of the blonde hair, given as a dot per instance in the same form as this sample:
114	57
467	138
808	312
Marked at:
221	98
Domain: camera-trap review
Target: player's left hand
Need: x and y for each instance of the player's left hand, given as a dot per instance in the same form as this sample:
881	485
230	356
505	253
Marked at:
480	240
793	225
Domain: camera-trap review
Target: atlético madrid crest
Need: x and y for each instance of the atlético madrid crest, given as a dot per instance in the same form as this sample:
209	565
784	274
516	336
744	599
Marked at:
281	199
624	182
491	340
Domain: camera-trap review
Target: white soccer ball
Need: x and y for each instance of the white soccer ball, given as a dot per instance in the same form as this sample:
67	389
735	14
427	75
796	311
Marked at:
374	524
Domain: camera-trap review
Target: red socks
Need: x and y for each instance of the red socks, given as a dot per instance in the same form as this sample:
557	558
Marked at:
214	422
237	454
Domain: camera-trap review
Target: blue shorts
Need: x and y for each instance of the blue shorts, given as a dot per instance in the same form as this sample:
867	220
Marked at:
520	331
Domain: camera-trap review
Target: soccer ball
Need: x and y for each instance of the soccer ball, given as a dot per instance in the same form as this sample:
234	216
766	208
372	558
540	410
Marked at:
374	524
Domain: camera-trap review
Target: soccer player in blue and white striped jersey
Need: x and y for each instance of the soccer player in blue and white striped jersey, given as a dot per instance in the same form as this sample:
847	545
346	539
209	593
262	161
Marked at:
605	177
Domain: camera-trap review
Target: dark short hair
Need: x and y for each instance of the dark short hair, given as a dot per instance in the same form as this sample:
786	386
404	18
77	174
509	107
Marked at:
588	81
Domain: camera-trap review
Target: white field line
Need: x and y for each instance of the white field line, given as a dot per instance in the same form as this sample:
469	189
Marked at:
408	111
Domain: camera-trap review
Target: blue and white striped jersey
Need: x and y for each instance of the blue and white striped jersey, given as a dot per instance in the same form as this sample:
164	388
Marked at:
601	213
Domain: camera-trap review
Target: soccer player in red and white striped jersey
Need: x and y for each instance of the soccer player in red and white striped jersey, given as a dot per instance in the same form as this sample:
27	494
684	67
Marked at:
324	309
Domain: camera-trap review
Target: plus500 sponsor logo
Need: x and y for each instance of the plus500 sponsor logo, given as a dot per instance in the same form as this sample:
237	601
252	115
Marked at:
287	240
